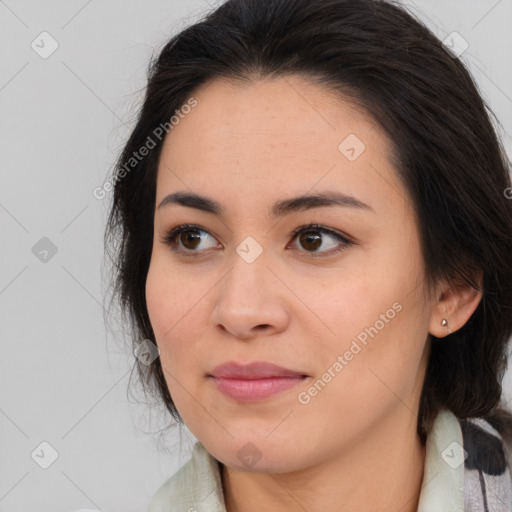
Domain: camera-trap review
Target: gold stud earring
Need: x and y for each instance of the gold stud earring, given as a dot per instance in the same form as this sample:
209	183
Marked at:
444	323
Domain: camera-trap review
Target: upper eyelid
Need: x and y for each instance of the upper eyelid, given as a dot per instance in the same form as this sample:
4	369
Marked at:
322	229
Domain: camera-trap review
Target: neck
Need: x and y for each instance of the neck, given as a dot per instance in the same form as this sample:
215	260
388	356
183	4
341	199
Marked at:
383	471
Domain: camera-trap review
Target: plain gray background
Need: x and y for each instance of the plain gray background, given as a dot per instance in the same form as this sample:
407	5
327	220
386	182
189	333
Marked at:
63	377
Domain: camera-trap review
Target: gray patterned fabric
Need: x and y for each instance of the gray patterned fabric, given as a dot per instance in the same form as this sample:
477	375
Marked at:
487	482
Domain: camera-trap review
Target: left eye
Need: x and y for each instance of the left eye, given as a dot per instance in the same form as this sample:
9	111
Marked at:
186	239
311	237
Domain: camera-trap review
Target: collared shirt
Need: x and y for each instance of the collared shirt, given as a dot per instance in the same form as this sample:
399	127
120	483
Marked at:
197	486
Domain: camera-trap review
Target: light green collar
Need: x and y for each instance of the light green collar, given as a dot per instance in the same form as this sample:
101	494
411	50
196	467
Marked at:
197	485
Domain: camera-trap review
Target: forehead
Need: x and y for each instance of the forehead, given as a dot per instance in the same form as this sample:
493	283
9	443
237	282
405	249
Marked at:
284	134
269	112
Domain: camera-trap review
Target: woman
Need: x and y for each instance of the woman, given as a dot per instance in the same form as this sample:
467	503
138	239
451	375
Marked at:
310	222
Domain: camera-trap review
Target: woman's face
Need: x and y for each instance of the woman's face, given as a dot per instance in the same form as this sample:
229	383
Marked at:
349	313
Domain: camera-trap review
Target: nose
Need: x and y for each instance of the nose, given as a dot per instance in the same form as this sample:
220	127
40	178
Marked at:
251	300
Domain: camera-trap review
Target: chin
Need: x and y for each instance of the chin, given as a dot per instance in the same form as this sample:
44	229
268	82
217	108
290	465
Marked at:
257	456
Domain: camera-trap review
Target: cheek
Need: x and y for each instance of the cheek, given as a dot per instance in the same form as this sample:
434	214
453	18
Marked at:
379	329
175	309
158	300
360	381
166	310
168	297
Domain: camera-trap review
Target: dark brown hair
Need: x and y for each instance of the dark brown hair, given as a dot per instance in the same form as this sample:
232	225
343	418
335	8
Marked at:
445	151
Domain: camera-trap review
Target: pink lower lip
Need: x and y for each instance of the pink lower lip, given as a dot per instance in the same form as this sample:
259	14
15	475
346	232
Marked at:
245	390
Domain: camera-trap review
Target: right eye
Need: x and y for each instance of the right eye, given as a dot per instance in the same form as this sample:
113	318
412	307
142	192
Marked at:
185	239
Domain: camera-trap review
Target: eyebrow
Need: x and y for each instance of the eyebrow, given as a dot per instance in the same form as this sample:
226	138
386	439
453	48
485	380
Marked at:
278	209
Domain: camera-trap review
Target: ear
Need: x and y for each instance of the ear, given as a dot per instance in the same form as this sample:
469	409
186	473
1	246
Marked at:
456	303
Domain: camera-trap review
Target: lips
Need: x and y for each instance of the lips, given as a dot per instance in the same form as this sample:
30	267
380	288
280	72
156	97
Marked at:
253	371
255	381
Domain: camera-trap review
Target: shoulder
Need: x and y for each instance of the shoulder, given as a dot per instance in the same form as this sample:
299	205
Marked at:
195	484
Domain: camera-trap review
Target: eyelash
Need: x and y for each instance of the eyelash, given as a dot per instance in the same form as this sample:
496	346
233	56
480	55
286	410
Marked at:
170	239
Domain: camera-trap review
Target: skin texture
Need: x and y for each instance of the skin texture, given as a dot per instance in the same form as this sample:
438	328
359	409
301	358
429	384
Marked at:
247	147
